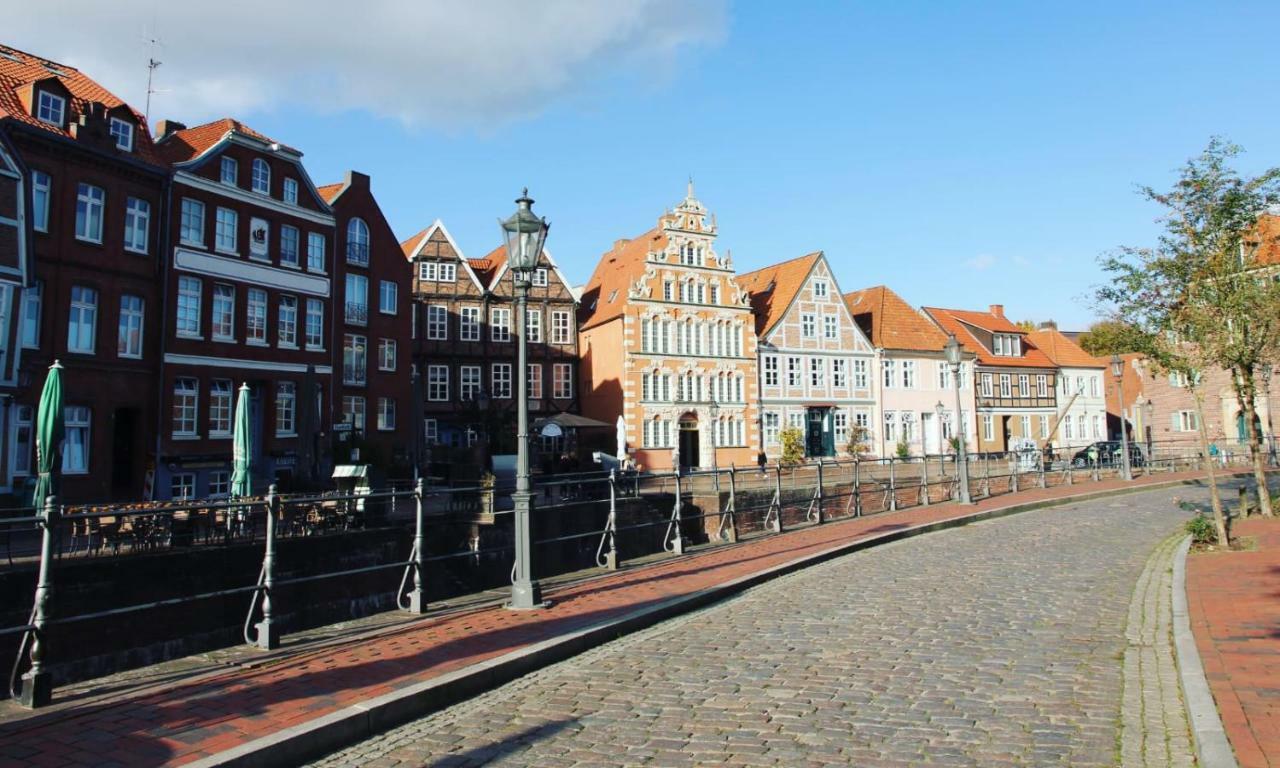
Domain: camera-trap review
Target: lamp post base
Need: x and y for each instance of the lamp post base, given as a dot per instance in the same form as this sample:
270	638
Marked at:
268	635
37	690
526	597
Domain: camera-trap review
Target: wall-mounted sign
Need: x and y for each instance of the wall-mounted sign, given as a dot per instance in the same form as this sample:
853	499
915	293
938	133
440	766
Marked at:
259	236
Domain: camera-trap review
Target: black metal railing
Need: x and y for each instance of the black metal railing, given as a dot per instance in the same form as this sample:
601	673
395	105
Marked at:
589	519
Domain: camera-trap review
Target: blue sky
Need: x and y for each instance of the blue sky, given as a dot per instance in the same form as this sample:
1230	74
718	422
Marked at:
962	153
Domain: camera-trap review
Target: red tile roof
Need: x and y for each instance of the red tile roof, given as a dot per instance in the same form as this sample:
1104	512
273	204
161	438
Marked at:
330	191
1268	238
891	322
487	268
410	246
773	288
181	146
19	69
605	294
1061	350
959	322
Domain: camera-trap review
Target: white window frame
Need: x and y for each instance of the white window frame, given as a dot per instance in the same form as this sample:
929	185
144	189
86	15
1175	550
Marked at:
286	409
91	208
122	130
387	354
41	197
469	323
831	327
75	419
32	306
185	416
190	298
260	177
221	399
438	322
290	190
533	326
137	224
224	296
561	325
771	377
287	322
388	288
315	253
290	246
86	306
562	381
808	325
438	383
539	278
226	230
315	312
192	222
355	359
51	108
500	380
386	414
255	312
470	378
131	327
500	324
228	171
534	380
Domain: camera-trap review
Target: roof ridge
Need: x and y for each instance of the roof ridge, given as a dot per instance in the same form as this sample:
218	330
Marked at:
40	59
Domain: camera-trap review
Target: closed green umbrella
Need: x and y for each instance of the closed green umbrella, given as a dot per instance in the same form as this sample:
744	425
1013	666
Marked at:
241	447
50	432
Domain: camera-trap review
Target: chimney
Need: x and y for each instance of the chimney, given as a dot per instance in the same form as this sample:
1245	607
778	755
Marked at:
1049	325
357	180
620	242
998	310
166	127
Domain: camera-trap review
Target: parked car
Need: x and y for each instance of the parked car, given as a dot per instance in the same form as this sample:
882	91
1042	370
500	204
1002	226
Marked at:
1109	454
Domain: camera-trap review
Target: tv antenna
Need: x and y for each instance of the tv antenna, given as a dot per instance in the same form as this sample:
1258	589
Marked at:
152	65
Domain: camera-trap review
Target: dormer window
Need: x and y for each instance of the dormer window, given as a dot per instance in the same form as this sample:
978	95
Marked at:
291	191
122	130
261	177
228	171
1007	345
51	108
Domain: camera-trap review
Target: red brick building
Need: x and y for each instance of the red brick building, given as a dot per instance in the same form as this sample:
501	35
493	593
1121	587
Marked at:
465	345
249	289
81	206
371	333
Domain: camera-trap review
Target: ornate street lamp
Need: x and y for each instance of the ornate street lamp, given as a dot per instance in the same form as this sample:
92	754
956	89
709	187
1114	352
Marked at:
1117	370
524	235
953	353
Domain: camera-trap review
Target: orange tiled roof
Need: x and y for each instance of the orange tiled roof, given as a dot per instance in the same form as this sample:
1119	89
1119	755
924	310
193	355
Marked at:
410	246
329	191
1062	350
959	321
892	322
773	288
605	294
487	266
188	143
19	69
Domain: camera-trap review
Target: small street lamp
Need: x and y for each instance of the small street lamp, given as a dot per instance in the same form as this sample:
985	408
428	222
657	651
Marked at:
1117	370
952	350
524	235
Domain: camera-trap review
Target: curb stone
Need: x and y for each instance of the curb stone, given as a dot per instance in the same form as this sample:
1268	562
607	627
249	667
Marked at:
1212	748
350	725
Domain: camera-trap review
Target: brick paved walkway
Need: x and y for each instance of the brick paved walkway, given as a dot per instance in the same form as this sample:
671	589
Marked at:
203	716
990	645
1234	603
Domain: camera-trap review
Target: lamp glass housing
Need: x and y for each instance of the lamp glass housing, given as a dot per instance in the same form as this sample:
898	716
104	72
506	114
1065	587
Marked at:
952	349
524	235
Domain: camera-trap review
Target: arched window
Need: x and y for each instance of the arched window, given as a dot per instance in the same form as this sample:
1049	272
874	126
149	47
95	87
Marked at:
358	242
261	176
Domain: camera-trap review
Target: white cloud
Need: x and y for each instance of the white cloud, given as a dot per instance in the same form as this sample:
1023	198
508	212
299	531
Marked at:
434	62
981	262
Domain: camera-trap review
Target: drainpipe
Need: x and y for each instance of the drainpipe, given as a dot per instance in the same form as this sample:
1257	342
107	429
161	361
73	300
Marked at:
165	252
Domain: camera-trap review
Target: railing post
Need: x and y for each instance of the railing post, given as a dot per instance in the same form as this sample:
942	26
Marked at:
1097	463
675	542
822	515
858	488
611	556
418	597
37	684
1013	473
777	492
731	532
1043	482
893	488
268	633
924	480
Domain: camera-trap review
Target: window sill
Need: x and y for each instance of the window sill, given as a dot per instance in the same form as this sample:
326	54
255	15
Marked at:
191	244
294	266
385	312
129	357
219	435
143	252
189	336
185	437
225	340
314	349
88	241
85	352
320	272
221	252
260	259
282	345
66	472
386	370
257	343
387	429
286	435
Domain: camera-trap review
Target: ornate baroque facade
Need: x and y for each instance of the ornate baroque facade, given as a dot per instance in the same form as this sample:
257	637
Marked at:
668	343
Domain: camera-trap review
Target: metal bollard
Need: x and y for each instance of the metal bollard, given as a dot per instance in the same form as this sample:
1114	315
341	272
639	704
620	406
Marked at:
1013	475
418	597
777	490
675	544
268	633
924	481
37	683
609	560
893	488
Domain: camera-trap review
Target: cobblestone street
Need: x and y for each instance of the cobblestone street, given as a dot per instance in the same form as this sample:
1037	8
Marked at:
1000	643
